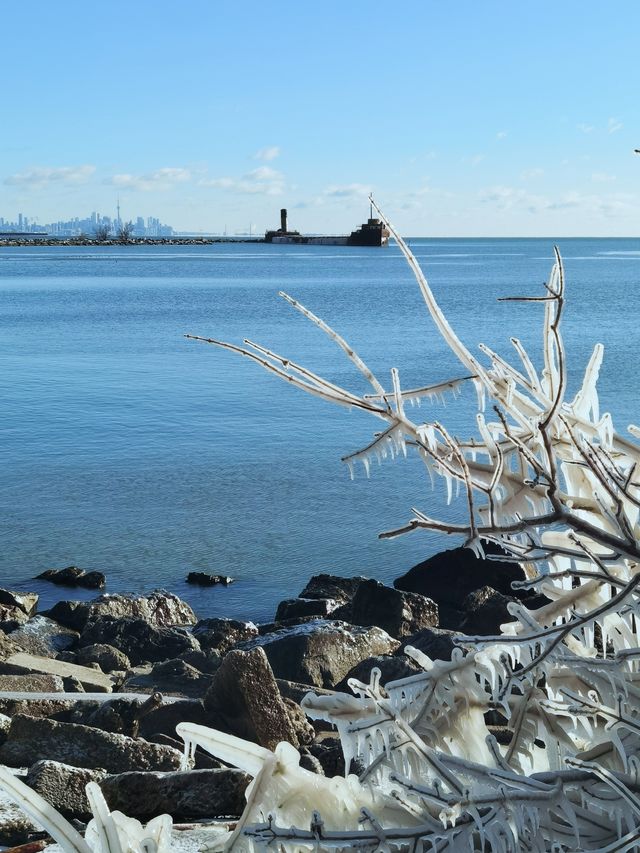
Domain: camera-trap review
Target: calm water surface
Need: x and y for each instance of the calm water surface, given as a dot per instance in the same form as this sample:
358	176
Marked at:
129	449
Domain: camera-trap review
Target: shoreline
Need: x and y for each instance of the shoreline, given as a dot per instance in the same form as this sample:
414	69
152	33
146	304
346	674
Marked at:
134	241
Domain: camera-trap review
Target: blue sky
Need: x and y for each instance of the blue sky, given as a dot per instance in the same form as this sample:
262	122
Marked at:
464	118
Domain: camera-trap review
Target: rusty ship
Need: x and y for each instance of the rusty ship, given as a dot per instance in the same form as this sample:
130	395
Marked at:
370	233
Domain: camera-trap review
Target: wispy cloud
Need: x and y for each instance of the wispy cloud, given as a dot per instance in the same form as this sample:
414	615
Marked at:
347	191
161	179
613	205
501	134
42	176
529	174
602	178
614	125
586	128
267	154
261	181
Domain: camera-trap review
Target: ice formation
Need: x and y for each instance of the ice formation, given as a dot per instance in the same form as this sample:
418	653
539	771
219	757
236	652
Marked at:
550	481
108	832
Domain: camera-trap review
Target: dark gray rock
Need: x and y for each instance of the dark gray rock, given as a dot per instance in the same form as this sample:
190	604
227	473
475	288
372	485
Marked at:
221	635
33	683
436	643
398	613
293	608
321	653
7	647
244	700
204	660
448	577
25	601
71	614
64	786
159	608
204	579
333	587
164	719
391	669
185	796
117	715
107	657
44	637
139	640
32	739
485	610
173	677
74	576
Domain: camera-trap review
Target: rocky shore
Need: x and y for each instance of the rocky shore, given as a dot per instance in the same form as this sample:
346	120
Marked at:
94	690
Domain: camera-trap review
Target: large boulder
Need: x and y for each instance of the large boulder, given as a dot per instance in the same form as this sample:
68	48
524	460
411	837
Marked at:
108	658
139	640
119	715
27	602
338	589
64	786
192	795
32	739
164	719
172	677
221	635
436	643
391	669
294	608
44	637
321	653
159	608
244	700
398	613
485	610
448	577
34	683
74	576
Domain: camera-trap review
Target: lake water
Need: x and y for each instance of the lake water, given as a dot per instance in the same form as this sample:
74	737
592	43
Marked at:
128	449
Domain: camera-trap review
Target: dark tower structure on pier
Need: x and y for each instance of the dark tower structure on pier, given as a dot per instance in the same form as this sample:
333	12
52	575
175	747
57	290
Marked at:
283	220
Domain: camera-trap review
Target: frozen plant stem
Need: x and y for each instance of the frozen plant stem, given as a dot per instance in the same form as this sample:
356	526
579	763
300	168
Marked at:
549	480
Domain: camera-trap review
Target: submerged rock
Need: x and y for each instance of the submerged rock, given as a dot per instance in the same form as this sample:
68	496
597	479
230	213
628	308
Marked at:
74	576
204	579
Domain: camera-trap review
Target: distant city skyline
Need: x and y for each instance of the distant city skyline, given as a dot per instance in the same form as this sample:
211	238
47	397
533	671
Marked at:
88	225
471	119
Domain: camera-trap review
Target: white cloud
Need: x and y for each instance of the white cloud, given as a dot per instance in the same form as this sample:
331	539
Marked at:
267	154
586	128
605	206
613	125
41	176
347	191
261	181
161	179
528	174
501	134
602	178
